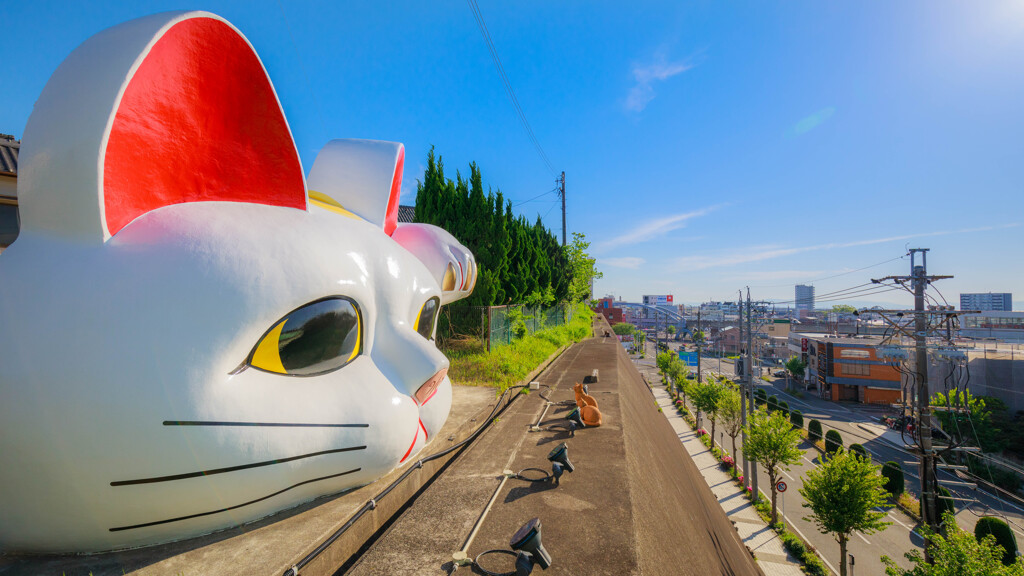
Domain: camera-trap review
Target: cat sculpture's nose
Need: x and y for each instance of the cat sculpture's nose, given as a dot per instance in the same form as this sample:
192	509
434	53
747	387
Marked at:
427	390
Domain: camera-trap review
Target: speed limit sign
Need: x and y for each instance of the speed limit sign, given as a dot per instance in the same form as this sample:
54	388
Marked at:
781	486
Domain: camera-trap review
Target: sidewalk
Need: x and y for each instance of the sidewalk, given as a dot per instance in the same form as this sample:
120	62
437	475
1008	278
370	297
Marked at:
755	533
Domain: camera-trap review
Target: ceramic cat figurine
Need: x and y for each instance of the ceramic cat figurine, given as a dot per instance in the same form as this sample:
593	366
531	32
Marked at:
192	337
589	412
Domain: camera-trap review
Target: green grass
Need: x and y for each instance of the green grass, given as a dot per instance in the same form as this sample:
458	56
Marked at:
504	366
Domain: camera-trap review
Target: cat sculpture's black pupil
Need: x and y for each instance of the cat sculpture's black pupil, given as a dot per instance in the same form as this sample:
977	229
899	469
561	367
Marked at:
319	338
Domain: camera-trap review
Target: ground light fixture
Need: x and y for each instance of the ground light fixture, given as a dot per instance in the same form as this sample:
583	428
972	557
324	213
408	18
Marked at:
530	550
575	418
559	458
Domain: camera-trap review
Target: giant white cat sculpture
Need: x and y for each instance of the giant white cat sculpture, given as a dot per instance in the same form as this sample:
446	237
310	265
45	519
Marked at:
190	338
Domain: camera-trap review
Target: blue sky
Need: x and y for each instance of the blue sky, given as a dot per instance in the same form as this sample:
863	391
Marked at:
707	145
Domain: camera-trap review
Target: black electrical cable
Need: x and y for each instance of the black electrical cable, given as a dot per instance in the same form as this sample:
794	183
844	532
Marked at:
372	503
476	562
547	475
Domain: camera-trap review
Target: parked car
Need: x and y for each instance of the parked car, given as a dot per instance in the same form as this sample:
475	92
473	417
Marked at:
779	373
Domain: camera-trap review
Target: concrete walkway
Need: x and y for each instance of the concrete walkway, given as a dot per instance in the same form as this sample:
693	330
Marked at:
763	541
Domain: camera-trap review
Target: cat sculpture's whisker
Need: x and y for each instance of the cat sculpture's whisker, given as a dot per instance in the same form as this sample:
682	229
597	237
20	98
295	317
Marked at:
236	506
232	468
263	424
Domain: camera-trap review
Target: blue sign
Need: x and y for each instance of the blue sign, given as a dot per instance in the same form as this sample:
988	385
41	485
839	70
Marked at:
690	358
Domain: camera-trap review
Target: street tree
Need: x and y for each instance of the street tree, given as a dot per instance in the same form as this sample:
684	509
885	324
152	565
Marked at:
795	369
729	412
842	494
671	330
772	443
704	396
956	552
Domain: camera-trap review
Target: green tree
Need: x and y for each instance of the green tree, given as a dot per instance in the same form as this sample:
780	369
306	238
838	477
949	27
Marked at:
842	494
730	413
623	329
772	443
581	268
671	330
956	553
795	369
843	309
975	424
705	396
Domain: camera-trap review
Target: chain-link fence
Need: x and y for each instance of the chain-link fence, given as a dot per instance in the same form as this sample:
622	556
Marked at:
492	326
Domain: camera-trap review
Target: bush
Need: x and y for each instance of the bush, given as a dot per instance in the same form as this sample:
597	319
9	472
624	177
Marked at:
784	406
859	451
773	403
760	396
833	441
944	503
894	482
1004	536
814	430
796	419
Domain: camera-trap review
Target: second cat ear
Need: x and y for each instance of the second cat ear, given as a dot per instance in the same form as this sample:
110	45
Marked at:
449	262
361	176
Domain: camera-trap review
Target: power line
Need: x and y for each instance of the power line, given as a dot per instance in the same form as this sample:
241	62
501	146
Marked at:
479	17
535	197
834	275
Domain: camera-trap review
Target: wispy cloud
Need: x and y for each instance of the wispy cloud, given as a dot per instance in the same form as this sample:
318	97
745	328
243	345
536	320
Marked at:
646	76
811	122
773	275
652	229
631	262
759	253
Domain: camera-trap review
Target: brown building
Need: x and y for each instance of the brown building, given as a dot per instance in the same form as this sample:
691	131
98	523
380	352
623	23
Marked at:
846	368
612	313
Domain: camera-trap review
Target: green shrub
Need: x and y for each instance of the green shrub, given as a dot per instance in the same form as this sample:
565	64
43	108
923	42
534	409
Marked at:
784	406
894	482
814	430
773	403
859	451
833	442
796	419
1004	536
760	396
944	503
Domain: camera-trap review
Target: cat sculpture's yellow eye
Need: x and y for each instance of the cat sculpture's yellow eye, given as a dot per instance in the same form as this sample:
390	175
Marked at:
315	339
427	317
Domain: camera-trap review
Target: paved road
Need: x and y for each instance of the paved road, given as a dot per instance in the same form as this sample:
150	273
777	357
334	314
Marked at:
894	541
972	504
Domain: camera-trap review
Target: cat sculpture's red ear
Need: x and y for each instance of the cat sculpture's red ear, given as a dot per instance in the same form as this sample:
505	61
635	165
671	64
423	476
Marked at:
171	108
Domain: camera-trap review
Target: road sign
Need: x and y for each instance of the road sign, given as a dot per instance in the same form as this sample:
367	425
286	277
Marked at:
781	486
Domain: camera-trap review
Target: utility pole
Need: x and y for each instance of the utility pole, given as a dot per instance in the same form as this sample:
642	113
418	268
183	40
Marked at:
919	280
561	192
743	407
749	372
699	342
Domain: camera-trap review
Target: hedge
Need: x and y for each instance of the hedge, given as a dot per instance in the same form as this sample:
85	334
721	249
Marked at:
796	419
894	481
814	430
784	406
833	442
1004	536
944	503
860	451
